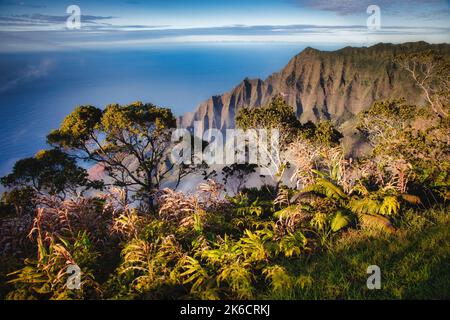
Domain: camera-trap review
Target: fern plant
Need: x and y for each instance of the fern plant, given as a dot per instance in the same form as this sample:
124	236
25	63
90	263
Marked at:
327	188
279	279
239	277
151	265
46	277
292	244
380	202
252	245
202	284
282	283
243	206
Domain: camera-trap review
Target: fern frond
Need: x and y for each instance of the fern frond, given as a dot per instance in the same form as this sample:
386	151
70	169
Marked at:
340	220
238	277
279	278
410	198
287	212
292	244
364	206
194	273
252	245
389	206
376	222
326	188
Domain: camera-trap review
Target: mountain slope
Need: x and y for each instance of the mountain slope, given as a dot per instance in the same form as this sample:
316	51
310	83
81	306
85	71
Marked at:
332	85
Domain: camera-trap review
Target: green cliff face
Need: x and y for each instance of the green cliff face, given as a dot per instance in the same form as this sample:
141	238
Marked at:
334	85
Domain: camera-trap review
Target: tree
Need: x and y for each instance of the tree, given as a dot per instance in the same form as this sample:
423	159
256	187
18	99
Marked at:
280	116
431	73
276	115
131	142
325	134
236	175
50	172
19	200
383	122
408	141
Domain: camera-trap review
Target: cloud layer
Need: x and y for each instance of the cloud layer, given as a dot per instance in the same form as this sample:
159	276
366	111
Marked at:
46	32
101	36
37	19
398	7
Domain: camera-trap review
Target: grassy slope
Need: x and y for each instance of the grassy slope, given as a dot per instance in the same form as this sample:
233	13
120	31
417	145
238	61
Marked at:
415	264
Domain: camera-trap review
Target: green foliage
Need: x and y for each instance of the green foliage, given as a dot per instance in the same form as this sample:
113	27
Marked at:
277	242
389	205
45	278
411	142
201	283
279	115
293	244
326	134
21	200
278	277
282	283
277	256
326	188
252	245
238	278
77	127
49	171
414	264
340	220
276	115
243	206
137	134
287	212
369	207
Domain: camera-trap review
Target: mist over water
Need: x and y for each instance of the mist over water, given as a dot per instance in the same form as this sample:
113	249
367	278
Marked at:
37	90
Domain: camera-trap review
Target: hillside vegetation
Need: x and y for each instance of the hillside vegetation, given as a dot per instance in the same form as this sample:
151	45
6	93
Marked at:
131	238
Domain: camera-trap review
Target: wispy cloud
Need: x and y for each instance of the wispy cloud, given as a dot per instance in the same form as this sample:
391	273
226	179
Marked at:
399	7
103	36
37	19
435	14
343	7
24	4
43	32
28	73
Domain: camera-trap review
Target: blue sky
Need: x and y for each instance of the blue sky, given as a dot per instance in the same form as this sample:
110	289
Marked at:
35	25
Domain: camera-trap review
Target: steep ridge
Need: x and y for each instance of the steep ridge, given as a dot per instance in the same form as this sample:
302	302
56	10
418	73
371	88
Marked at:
333	85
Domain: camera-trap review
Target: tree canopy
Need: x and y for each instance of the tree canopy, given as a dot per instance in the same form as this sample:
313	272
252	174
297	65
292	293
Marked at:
49	171
131	142
279	115
412	136
431	73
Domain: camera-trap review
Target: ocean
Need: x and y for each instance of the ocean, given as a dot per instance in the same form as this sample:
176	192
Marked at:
38	89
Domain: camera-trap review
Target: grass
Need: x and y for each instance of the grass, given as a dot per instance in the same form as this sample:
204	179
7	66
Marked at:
164	261
414	263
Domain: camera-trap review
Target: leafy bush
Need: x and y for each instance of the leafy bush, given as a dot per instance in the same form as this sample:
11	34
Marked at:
311	240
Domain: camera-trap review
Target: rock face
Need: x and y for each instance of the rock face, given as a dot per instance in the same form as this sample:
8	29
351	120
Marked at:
332	85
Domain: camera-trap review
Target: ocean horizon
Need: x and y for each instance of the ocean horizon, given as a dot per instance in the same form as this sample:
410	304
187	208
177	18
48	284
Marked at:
37	90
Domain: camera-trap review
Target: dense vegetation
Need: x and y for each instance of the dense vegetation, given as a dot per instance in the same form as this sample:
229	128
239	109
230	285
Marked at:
309	235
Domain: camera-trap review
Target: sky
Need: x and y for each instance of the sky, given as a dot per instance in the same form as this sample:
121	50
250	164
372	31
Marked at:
35	25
